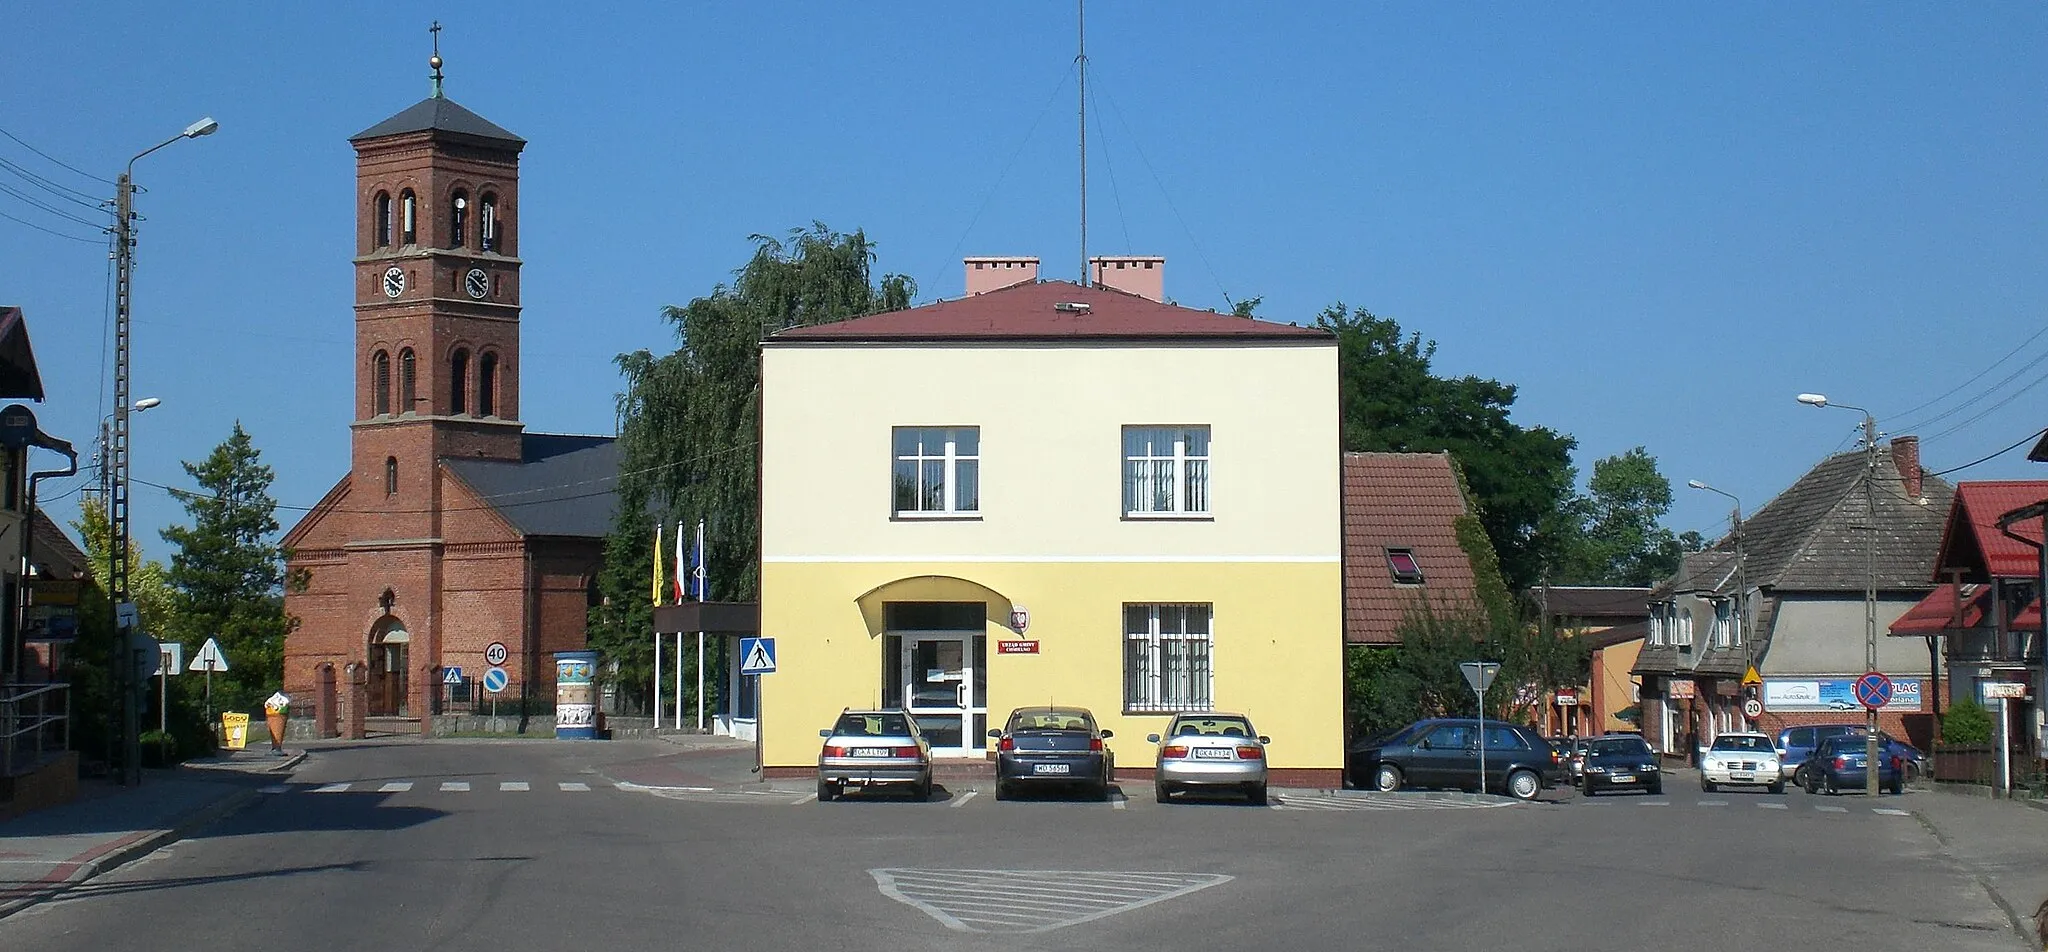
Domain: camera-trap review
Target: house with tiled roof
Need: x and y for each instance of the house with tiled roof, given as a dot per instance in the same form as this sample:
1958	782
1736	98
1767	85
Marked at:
1611	620
1051	492
1401	546
1785	592
1985	613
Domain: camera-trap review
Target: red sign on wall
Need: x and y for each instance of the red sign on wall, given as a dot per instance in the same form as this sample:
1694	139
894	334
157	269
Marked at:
1016	647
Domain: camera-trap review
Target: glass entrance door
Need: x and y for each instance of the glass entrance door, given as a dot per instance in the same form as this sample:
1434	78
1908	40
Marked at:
944	683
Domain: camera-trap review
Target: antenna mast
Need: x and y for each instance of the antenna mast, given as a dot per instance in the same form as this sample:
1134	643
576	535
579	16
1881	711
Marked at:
1082	60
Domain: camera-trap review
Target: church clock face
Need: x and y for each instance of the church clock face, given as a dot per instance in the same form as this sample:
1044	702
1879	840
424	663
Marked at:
477	283
394	282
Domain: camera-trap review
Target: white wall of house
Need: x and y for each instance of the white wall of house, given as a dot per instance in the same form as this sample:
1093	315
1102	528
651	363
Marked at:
1823	635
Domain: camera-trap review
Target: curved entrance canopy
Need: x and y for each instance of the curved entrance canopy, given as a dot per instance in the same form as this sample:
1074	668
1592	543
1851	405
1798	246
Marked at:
930	588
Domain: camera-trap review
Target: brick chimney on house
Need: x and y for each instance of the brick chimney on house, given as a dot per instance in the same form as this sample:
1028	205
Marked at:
1142	275
989	273
1906	456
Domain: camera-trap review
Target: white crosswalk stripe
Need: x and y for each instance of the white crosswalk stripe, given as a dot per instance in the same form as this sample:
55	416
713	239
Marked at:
395	786
573	786
1027	901
1767	805
1887	811
1828	809
1713	803
513	786
454	786
1380	801
332	788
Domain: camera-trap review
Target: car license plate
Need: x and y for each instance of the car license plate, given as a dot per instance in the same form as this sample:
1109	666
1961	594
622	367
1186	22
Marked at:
1211	753
871	751
1742	776
1049	768
1622	778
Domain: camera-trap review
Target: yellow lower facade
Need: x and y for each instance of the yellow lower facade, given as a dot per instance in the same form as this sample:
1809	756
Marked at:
1273	650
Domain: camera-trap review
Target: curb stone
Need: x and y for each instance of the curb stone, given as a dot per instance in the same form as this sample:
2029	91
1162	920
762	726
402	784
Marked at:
2027	933
106	858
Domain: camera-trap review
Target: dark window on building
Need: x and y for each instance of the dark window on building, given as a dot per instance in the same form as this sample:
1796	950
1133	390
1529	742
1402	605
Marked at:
593	596
383	214
458	218
390	475
935	616
408	218
408	382
1406	571
487	385
487	223
380	383
10	473
458	383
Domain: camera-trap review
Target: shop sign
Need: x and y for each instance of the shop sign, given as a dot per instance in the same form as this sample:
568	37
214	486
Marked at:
1680	689
1567	698
2002	690
1016	647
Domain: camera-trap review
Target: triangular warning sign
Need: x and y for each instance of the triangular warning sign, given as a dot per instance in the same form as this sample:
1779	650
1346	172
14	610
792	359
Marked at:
984	900
209	658
1750	677
758	660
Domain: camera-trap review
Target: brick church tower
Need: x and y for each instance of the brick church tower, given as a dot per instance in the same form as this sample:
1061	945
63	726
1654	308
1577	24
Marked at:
454	528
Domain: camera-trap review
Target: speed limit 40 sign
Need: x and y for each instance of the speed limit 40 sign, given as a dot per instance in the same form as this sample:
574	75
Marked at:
495	654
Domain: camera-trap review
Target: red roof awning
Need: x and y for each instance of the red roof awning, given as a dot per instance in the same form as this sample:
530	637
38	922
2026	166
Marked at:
1937	612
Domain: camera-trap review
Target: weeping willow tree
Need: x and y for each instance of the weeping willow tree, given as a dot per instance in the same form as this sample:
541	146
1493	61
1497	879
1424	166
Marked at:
689	426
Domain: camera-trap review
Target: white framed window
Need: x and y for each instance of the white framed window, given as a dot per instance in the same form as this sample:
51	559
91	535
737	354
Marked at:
1655	626
1166	470
1680	626
936	471
1724	623
1167	658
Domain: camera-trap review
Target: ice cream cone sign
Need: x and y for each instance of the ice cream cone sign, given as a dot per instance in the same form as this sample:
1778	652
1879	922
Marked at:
274	708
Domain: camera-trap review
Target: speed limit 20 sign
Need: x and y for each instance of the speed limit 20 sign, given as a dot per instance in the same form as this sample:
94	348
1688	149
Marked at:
495	654
1752	708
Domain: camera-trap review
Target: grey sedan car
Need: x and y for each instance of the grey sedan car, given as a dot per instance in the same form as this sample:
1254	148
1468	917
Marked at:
1210	752
1053	746
874	749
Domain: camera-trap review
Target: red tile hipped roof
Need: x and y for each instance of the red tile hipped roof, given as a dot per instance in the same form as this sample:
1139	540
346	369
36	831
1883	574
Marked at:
1031	311
1973	524
1403	501
1937	613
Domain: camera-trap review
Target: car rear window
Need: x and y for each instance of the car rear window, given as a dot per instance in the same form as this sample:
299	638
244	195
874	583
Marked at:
1799	737
1742	743
1212	727
1618	745
1050	721
871	725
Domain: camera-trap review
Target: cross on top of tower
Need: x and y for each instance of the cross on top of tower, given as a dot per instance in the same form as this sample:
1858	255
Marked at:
435	60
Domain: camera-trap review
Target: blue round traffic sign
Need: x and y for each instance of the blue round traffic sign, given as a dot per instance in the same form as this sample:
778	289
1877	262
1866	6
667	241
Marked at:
495	680
1873	690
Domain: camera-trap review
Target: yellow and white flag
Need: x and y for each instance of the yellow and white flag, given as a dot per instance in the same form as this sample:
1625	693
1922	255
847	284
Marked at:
657	564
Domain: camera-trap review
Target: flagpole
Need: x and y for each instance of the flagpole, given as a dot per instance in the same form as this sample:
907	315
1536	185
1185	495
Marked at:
703	592
657	631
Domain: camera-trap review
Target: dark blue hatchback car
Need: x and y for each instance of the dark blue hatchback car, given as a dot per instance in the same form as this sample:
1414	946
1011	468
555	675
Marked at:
1838	764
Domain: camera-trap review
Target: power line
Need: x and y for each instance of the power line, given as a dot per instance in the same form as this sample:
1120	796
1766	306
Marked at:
1156	180
1973	378
48	231
71	195
1114	192
997	185
61	163
1994	408
52	209
2022	442
1979	398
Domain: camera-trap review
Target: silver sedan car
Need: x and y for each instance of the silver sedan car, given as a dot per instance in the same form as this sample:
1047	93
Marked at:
874	749
1210	751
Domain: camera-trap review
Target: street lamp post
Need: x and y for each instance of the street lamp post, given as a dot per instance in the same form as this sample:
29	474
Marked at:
117	450
1870	761
1741	575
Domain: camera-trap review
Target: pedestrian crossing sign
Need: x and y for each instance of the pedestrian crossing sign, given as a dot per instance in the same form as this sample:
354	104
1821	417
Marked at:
757	656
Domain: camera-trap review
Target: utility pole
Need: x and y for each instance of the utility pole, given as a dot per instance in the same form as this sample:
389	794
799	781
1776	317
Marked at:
1870	746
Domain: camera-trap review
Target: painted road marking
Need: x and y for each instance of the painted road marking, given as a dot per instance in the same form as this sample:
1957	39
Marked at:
1026	901
1381	801
1118	801
808	797
455	786
1832	809
1713	803
961	800
332	788
1887	811
513	786
276	788
395	786
1772	806
573	786
1656	803
706	795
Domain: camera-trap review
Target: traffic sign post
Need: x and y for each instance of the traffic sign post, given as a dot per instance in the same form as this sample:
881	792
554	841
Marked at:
209	659
496	654
757	657
1873	691
1480	675
495	680
1752	708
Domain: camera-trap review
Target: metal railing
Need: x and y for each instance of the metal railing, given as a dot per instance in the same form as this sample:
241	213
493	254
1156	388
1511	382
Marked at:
35	722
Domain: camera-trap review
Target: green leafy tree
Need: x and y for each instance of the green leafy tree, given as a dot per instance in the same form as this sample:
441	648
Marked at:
228	571
1621	542
1520	477
155	601
689	431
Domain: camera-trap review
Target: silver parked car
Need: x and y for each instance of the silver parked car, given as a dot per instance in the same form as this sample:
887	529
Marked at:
1210	751
874	749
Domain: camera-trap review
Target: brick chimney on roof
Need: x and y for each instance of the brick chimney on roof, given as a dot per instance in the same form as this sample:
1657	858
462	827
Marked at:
993	272
1906	456
1142	275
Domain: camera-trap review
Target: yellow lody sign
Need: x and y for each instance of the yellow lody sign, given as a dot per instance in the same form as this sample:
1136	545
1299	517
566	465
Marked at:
1750	677
234	730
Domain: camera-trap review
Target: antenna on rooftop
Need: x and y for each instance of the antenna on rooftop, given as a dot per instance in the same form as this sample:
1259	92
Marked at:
1081	59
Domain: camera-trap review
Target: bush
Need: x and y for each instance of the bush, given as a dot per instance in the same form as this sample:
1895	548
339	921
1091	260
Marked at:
1967	724
159	749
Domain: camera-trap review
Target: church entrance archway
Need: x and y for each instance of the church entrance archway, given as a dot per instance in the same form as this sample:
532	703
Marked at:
388	651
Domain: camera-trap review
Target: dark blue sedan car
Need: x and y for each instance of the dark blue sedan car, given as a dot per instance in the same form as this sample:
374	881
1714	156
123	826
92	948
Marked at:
1838	764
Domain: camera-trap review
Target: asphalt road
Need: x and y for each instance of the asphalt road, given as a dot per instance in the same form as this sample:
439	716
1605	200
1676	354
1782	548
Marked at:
531	845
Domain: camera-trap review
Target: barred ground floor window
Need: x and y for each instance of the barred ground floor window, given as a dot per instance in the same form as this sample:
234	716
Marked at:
1167	658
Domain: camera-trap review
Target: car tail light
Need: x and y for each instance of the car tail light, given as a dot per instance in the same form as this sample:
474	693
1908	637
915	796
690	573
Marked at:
1006	744
1841	763
1251	752
1175	752
1898	763
831	751
1095	743
906	751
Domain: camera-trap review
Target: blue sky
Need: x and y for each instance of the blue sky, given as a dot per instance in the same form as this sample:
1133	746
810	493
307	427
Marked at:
1660	223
